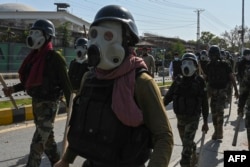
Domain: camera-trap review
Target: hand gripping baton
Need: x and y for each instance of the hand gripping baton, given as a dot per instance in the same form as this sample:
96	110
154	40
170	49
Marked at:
11	97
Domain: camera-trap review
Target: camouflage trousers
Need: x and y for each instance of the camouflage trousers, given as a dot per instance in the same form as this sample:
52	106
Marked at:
187	127
43	139
217	104
245	101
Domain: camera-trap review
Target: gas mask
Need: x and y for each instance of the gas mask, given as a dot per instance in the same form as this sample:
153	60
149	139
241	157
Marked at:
188	68
35	39
247	57
203	58
81	54
105	49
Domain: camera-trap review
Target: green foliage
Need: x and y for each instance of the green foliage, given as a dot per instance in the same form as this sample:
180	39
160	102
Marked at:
176	47
8	104
65	33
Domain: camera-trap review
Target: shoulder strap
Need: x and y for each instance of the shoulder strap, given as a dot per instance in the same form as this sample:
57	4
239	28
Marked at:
139	71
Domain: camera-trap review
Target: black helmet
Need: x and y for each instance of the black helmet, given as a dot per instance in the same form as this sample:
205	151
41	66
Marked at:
190	56
246	52
44	25
214	51
204	52
120	14
81	42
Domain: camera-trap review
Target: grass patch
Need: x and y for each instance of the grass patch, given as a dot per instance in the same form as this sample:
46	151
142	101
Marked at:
8	104
168	83
26	101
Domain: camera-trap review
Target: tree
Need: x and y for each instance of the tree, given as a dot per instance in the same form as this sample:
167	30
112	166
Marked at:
176	47
206	37
233	38
65	33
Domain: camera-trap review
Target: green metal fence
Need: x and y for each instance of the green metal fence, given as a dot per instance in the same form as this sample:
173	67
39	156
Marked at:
13	54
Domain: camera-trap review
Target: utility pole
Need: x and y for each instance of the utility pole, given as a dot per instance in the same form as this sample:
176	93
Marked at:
198	28
242	29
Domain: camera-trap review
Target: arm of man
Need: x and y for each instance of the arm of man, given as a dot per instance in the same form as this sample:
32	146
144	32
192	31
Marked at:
148	97
62	72
171	69
204	106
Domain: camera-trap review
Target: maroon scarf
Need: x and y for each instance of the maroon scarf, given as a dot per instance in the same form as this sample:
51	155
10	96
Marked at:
123	103
36	58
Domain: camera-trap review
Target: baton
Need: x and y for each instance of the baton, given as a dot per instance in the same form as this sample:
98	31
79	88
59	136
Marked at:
236	130
201	147
69	111
11	97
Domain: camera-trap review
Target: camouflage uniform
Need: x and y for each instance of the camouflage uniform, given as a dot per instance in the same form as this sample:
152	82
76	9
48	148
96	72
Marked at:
189	98
244	93
45	103
219	75
187	128
218	98
244	99
43	139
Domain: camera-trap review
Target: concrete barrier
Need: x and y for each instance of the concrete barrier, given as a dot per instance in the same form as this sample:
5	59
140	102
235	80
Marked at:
10	75
24	113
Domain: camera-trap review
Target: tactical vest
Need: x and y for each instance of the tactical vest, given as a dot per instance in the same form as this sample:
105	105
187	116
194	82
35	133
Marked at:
187	98
76	71
97	134
51	88
218	74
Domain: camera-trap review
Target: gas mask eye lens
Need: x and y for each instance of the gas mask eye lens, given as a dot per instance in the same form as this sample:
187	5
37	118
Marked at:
93	33
108	35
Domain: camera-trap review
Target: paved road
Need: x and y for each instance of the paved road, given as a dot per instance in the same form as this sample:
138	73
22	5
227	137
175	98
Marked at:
15	141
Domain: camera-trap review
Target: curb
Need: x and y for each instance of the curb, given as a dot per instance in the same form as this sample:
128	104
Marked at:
10	75
24	113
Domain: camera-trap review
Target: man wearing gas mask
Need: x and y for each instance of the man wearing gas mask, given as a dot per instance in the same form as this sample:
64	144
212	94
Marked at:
79	65
189	96
118	118
43	75
244	100
203	62
218	75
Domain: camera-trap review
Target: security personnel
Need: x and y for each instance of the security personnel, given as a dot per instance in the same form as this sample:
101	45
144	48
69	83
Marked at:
219	74
43	75
149	60
189	97
114	118
79	65
175	67
203	61
244	98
